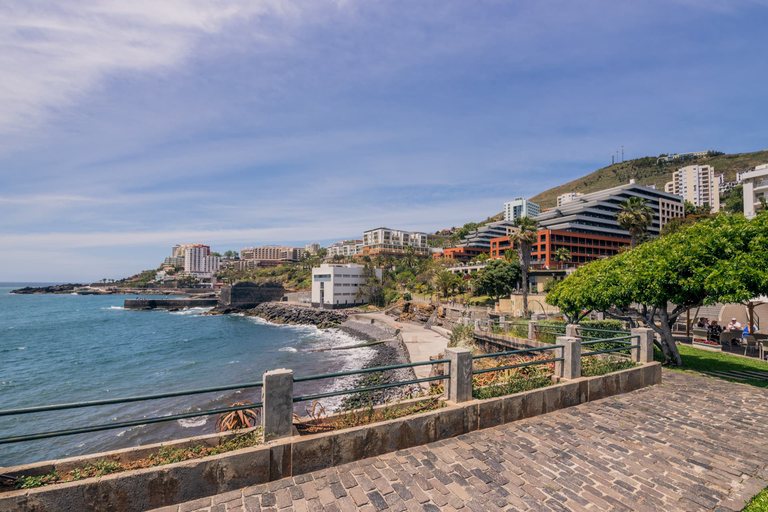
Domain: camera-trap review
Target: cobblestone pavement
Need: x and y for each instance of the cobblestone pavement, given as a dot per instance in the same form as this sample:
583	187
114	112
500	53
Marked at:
692	443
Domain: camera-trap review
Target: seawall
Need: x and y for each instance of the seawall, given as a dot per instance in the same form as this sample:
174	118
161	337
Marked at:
172	304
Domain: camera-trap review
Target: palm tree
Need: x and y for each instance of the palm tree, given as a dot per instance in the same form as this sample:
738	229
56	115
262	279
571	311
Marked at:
635	216
525	238
445	281
511	255
562	255
410	256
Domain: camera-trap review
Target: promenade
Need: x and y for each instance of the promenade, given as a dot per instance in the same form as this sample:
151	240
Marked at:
690	444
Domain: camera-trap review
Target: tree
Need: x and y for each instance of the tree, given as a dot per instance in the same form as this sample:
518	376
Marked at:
409	258
497	279
446	281
733	199
322	253
372	291
562	255
721	259
511	255
232	255
690	209
635	216
482	257
525	238
216	254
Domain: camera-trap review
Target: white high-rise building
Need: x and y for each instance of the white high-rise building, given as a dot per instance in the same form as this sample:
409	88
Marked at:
198	261
696	184
567	198
755	188
520	207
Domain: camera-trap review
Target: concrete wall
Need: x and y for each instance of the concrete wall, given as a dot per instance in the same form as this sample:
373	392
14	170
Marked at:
184	481
169	303
249	295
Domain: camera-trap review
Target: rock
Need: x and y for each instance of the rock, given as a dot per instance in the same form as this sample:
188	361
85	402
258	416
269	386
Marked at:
59	288
281	313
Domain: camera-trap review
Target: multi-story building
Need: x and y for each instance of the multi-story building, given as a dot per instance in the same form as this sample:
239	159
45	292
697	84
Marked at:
696	184
337	286
271	253
755	184
312	248
198	261
174	261
385	241
478	241
520	207
345	249
567	198
595	213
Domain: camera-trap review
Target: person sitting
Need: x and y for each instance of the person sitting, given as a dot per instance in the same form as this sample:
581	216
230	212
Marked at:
746	331
715	331
733	326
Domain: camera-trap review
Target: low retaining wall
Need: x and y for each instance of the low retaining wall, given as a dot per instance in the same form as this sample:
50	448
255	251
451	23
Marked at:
184	481
169	303
505	342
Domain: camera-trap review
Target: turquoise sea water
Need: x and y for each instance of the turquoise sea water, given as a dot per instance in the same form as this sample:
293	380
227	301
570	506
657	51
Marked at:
67	348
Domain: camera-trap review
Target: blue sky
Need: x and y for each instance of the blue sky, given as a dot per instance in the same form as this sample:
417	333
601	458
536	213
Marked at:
128	127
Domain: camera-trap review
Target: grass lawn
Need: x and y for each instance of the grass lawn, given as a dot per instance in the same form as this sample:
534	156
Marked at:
705	361
759	503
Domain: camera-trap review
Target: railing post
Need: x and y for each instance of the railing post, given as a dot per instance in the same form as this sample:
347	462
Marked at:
644	354
460	381
277	397
506	328
571	356
533	330
572	331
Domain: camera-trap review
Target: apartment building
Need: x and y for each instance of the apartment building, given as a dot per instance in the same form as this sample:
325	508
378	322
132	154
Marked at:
696	184
346	249
392	242
520	207
336	286
199	263
312	248
568	198
595	213
755	184
271	253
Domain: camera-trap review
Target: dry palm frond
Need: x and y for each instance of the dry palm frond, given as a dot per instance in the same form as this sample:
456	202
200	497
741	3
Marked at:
234	420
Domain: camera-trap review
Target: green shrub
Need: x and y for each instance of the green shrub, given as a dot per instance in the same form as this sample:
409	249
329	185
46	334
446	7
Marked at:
593	366
463	336
514	385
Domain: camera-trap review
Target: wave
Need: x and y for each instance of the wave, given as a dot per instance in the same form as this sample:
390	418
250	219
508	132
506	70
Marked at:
288	349
115	307
191	311
198	421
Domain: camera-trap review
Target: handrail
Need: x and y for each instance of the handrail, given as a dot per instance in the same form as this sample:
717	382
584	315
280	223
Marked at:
520	351
594	329
596	352
111	401
368	370
307	398
110	426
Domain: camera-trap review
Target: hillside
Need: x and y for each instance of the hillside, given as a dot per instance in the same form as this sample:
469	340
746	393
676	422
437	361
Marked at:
647	172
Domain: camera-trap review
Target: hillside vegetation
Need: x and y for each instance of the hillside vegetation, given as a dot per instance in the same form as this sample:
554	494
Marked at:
647	172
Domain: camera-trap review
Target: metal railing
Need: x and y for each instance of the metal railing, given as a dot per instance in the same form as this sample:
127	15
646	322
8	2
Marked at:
329	394
195	414
625	341
520	352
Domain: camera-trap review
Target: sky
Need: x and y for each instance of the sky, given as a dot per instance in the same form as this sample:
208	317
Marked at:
129	127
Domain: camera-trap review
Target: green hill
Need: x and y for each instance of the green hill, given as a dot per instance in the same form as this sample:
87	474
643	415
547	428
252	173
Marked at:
647	172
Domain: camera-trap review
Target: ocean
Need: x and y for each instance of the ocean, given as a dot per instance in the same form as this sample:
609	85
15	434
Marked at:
58	349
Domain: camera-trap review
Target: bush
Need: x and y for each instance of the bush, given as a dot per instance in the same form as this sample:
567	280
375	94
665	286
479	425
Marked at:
463	336
593	366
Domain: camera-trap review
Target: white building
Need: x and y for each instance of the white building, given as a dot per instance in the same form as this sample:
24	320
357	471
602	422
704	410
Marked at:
520	207
336	286
696	184
386	241
346	249
567	198
755	184
199	263
312	248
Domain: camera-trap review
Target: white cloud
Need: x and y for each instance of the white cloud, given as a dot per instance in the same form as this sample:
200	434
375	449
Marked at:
53	54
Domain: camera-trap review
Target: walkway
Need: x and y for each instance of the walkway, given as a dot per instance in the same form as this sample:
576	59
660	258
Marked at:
692	443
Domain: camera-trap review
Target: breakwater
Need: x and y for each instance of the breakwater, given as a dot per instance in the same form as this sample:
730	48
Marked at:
169	304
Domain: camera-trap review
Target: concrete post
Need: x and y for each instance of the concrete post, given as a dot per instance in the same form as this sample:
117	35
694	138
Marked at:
571	356
644	354
460	382
506	328
572	331
477	324
533	330
277	397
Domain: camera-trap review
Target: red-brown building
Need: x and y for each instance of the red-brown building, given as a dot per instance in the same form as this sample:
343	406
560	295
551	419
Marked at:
461	254
582	246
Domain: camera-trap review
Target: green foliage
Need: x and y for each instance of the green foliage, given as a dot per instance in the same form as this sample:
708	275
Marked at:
635	216
690	209
593	366
733	199
759	503
721	259
372	290
466	229
447	282
516	384
698	360
463	336
30	482
232	255
497	279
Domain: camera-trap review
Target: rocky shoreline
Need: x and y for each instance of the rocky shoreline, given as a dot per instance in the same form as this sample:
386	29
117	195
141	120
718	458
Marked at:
388	353
59	288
